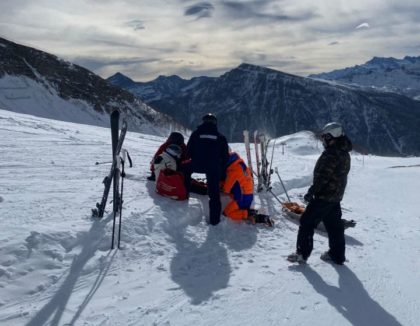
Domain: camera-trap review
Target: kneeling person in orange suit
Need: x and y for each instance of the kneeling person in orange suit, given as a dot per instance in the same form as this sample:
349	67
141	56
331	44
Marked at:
239	184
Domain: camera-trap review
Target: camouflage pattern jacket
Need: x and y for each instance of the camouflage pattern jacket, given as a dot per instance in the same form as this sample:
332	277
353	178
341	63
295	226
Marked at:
331	170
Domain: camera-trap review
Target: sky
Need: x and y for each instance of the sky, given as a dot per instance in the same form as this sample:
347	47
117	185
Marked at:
147	38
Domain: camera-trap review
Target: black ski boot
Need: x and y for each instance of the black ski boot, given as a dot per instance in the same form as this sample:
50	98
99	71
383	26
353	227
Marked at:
255	218
152	177
296	258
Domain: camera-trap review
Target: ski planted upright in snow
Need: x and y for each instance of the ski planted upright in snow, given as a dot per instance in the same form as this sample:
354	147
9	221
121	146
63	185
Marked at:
258	162
248	151
264	161
100	207
263	166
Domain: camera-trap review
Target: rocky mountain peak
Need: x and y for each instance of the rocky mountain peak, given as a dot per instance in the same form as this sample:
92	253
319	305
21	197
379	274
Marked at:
121	79
383	62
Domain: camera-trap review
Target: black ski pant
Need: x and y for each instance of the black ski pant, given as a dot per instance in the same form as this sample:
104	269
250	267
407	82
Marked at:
213	176
330	214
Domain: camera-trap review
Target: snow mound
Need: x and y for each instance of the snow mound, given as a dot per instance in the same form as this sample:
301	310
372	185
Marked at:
301	143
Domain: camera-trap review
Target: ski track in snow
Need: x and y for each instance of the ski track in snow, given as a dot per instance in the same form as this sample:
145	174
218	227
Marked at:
56	267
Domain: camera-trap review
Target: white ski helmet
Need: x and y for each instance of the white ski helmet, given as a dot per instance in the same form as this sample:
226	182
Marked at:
334	129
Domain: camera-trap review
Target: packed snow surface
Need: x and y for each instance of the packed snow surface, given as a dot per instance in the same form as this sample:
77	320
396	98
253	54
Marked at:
56	266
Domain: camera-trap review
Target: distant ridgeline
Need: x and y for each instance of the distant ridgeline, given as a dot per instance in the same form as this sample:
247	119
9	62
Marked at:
253	97
387	74
38	83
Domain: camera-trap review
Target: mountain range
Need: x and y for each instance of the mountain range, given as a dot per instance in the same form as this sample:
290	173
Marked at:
246	97
38	83
388	74
258	98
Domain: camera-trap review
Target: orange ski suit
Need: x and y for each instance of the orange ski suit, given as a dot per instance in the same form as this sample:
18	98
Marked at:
239	184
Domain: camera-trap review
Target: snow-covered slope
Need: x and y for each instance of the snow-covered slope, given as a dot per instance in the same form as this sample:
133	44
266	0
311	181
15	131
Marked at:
41	84
388	74
24	95
56	267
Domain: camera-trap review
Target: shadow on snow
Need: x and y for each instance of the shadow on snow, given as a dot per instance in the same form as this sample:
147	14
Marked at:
349	298
93	240
201	268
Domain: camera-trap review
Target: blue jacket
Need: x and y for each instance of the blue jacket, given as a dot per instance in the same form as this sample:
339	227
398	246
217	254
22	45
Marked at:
208	149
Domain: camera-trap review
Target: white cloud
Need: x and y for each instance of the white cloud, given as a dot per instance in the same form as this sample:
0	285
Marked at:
362	26
153	37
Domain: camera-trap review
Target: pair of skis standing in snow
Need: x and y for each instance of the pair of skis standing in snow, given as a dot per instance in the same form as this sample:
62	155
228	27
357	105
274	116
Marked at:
263	166
115	176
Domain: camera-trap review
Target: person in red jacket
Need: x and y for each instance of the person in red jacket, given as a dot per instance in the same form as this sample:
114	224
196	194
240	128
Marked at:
174	138
239	184
169	181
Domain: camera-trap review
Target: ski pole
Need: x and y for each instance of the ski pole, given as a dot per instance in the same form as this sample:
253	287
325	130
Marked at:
121	198
113	230
281	181
117	199
277	198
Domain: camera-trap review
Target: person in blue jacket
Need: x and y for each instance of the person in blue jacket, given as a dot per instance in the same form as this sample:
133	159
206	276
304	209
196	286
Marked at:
209	153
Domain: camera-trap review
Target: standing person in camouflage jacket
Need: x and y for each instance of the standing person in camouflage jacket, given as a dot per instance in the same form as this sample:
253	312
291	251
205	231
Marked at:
324	197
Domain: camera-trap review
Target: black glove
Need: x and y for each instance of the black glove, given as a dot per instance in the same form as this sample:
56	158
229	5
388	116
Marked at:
308	197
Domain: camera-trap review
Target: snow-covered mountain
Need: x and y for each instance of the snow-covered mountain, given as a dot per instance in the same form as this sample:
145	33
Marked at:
56	266
387	74
38	83
252	97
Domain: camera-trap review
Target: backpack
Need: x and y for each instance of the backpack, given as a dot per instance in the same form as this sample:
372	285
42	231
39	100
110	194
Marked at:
170	184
